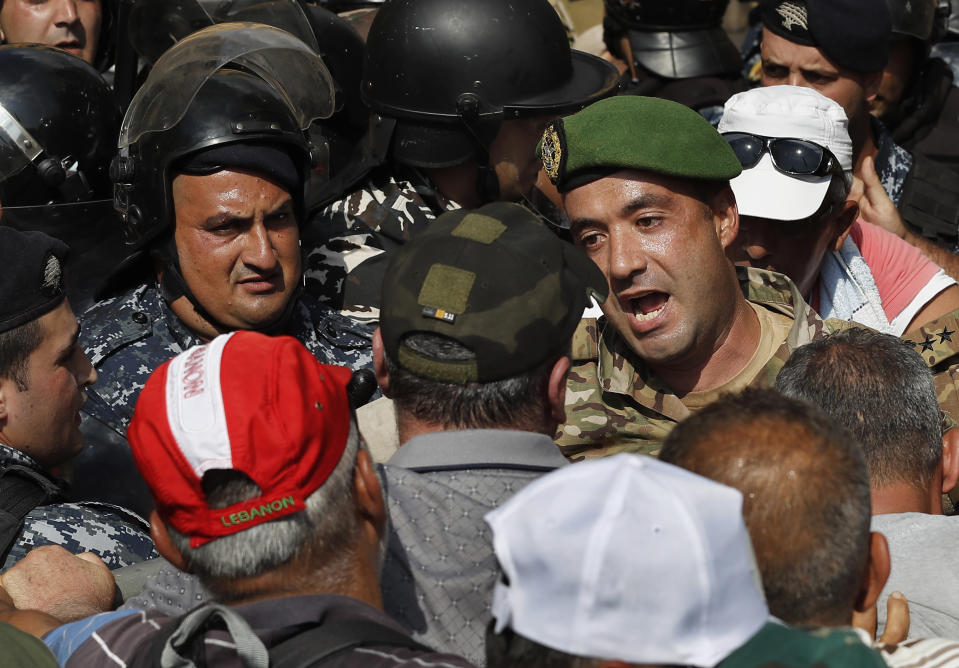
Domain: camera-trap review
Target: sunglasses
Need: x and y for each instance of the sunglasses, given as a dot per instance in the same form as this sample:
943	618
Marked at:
796	157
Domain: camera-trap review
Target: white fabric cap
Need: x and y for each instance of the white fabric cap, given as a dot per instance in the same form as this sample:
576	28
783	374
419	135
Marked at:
785	111
628	558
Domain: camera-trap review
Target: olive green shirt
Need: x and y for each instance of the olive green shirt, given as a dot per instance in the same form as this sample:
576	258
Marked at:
615	404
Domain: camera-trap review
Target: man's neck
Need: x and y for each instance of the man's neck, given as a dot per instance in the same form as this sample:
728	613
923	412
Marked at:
735	347
904	498
358	581
456	184
408	427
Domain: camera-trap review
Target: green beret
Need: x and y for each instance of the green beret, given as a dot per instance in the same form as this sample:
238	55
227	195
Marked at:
632	132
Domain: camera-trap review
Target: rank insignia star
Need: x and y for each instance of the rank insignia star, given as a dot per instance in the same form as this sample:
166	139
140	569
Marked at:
927	344
945	335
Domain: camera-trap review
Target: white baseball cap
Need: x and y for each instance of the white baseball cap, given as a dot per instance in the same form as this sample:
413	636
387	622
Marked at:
628	558
785	111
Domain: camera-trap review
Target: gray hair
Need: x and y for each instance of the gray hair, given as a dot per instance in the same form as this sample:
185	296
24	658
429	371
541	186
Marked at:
327	524
880	389
519	401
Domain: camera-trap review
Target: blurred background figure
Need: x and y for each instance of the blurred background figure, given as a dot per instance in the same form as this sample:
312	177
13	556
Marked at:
675	50
58	131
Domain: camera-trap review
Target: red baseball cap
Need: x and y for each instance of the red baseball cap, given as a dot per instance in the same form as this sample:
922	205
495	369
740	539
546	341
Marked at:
246	402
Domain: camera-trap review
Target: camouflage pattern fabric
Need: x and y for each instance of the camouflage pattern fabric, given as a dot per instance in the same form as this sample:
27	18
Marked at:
615	404
893	162
361	229
114	534
938	343
128	336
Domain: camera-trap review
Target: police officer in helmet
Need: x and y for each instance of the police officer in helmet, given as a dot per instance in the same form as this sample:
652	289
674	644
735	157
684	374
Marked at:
458	109
210	182
58	129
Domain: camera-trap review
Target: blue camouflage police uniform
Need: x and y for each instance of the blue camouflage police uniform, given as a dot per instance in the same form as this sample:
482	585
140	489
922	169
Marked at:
130	335
893	162
114	534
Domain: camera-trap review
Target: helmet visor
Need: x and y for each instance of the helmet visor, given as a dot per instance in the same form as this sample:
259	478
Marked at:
291	67
17	147
156	25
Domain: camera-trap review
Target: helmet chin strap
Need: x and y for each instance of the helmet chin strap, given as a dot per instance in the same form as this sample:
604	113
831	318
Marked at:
487	183
173	286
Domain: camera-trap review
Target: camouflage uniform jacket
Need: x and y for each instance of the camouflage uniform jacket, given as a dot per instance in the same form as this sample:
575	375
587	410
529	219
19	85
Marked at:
128	336
114	534
350	240
614	404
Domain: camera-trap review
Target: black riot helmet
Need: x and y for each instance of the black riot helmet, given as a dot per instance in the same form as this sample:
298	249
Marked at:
230	84
58	131
450	71
678	39
338	6
914	19
58	127
156	25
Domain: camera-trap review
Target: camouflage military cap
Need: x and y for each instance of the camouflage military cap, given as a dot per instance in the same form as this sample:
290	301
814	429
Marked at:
495	280
32	282
632	132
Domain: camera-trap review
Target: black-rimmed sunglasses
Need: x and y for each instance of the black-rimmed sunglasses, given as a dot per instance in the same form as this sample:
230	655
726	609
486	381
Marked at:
797	157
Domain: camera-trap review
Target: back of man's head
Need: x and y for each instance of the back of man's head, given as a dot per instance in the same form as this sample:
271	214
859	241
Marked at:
880	389
249	449
624	559
476	314
805	497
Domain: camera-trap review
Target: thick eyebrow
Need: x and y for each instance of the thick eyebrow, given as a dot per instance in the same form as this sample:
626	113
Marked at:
67	350
641	202
220	218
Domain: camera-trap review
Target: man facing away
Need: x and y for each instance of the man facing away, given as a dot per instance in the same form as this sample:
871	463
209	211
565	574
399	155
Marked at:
880	389
264	492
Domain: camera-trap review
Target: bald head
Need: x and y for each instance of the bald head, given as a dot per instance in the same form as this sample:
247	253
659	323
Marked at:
805	497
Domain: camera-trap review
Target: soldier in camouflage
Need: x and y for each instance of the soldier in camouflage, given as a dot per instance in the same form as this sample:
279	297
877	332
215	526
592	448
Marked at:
458	112
44	378
680	327
213	212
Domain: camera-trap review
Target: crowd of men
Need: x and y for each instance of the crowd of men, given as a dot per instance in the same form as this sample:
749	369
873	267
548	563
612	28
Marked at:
402	333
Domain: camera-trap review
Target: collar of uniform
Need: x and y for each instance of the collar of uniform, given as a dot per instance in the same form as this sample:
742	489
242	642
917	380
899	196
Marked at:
170	320
478	448
621	372
10	456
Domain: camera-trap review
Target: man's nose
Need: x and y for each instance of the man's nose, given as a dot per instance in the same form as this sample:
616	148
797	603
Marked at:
66	12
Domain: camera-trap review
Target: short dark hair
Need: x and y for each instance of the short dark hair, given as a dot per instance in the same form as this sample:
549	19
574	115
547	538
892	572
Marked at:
880	389
16	346
518	401
805	497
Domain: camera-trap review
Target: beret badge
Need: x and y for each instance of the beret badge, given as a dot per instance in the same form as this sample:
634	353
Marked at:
51	283
554	150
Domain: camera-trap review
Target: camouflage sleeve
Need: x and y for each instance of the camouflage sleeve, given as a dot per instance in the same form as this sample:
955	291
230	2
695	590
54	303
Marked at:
938	343
111	535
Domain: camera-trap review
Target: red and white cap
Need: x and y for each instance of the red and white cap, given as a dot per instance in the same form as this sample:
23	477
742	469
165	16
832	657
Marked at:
247	402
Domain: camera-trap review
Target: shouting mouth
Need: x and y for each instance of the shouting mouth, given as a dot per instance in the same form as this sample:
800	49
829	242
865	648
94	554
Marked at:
646	311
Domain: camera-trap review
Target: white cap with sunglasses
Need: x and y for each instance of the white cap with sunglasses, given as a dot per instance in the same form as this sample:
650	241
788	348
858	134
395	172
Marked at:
785	180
